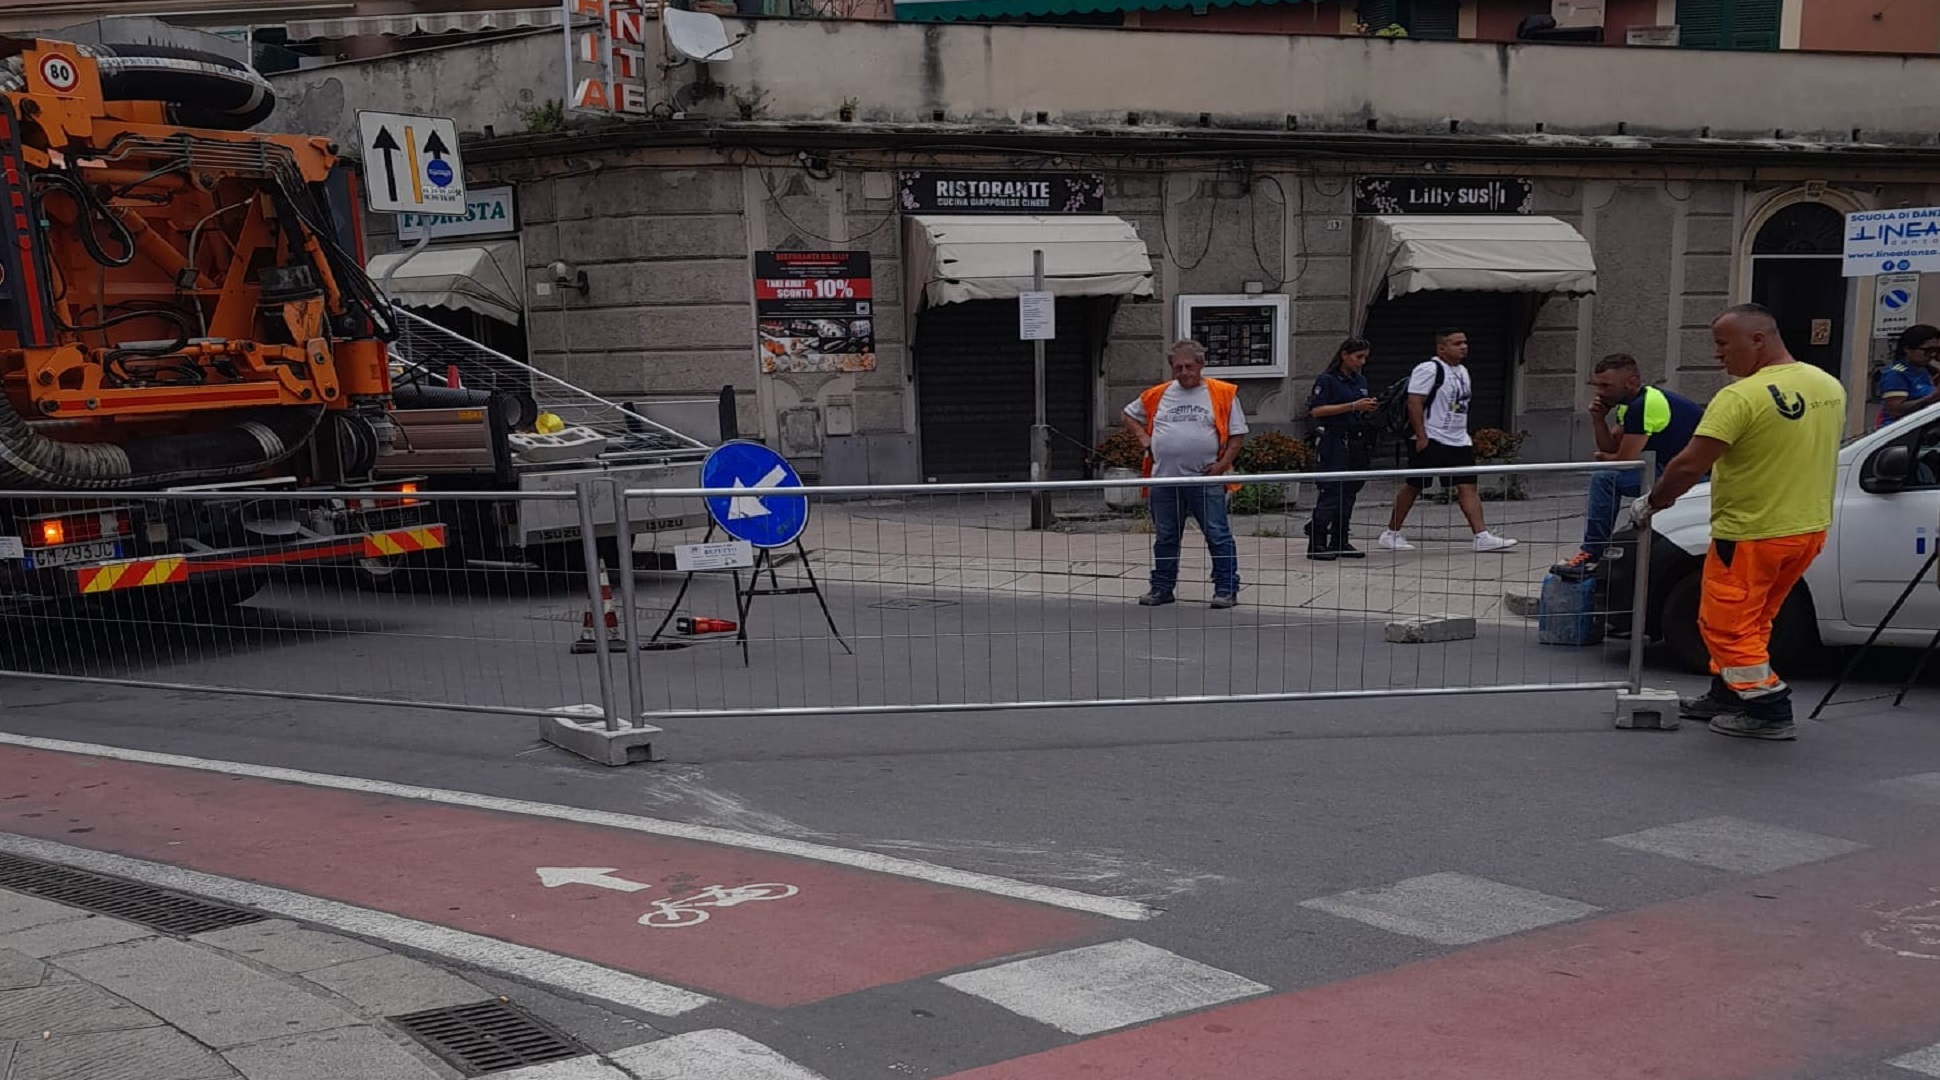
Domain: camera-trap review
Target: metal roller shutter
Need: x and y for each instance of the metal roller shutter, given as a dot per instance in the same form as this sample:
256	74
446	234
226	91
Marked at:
1403	334
975	393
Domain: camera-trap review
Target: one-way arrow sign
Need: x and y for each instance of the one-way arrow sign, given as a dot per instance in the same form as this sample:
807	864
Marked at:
420	159
598	876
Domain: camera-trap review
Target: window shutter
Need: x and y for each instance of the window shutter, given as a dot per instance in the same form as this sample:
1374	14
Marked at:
1700	23
1754	24
1375	14
1440	20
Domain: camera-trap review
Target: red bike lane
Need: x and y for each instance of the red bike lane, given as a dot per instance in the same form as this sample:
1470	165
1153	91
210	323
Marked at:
842	930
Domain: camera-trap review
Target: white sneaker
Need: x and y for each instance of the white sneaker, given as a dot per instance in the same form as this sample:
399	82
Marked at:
1393	541
1488	541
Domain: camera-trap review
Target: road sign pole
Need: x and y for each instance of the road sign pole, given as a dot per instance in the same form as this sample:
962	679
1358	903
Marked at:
1040	431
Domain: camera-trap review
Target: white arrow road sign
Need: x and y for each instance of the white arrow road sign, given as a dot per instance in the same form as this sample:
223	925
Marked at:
601	876
747	506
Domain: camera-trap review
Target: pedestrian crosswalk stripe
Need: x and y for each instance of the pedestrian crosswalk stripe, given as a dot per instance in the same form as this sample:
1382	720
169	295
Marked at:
1452	909
1727	843
1102	987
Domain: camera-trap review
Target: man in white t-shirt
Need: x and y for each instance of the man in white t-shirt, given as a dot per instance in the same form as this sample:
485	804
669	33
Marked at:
1439	392
1190	426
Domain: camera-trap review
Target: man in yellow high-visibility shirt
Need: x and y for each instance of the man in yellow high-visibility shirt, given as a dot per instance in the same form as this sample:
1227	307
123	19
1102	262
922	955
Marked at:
1770	441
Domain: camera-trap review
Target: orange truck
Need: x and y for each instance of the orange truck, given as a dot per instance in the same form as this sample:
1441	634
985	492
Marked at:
184	311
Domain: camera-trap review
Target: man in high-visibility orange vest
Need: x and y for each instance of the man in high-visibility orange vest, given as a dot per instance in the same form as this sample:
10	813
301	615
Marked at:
1190	426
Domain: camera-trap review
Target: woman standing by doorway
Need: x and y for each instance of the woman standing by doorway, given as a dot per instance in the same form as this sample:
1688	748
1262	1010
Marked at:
1341	403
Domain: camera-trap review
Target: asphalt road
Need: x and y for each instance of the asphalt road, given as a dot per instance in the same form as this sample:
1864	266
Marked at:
1227	817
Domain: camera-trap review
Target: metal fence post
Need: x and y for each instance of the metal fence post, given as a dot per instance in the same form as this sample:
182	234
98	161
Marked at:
595	596
1640	584
629	612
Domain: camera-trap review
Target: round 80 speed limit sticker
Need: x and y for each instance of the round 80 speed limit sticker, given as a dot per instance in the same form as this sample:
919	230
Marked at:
59	72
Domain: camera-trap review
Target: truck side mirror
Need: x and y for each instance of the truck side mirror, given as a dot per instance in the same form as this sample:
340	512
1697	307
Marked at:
1888	470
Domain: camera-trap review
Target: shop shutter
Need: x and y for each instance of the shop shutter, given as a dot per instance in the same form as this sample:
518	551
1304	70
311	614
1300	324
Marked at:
1375	14
1700	23
976	396
1403	335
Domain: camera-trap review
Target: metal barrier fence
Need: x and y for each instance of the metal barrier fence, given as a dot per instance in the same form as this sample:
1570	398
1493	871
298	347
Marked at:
939	598
898	600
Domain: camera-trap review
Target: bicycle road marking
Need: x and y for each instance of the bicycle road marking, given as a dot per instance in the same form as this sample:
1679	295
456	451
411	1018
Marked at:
1050	895
562	973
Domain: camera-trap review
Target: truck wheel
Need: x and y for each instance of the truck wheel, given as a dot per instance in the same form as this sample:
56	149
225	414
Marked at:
1795	633
1680	625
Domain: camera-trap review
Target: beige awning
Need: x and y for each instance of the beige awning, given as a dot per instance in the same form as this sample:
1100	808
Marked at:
980	257
481	277
1396	256
434	22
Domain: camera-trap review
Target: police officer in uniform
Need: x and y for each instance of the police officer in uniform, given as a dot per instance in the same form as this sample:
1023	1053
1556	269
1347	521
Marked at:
1342	404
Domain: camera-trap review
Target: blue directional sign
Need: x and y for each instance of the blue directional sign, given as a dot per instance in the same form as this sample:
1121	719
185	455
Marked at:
760	517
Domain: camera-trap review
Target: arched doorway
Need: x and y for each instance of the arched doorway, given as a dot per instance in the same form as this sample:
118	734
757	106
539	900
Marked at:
1796	271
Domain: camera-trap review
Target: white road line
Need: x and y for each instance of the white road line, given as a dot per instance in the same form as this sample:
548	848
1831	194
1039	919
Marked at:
712	1054
1728	843
1925	1062
1452	909
1051	895
490	954
1103	987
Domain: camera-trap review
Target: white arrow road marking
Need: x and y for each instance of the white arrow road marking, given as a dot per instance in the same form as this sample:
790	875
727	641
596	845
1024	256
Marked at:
747	506
554	876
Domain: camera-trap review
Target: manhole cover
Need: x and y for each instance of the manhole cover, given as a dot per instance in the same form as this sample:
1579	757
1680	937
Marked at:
488	1037
912	603
171	913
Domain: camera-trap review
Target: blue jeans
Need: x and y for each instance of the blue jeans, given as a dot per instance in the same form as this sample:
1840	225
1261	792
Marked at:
1609	489
1205	504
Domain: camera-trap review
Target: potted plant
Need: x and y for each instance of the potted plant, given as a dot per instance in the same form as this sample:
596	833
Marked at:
1494	446
1271	452
1120	457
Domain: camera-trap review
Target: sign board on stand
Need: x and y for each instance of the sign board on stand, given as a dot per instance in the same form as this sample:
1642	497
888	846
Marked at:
1903	241
1895	305
1037	316
411	164
761	517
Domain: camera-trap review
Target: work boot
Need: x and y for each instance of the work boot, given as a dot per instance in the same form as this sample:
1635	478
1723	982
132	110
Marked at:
1322	556
1576	567
1717	701
1740	725
1349	551
1225	600
1154	599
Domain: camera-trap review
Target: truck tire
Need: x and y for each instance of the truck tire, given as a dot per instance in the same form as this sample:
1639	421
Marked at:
1795	633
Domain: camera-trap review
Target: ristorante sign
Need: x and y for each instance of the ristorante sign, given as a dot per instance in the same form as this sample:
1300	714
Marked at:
1001	193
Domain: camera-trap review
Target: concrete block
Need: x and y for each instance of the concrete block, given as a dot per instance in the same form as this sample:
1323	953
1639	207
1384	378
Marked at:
118	1055
72	935
710	1053
285	946
579	1068
393	985
18	971
1651	710
1431	629
363	1052
65	1008
234	1004
18	912
1521	603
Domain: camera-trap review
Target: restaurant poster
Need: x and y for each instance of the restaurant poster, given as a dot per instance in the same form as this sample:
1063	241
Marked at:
813	311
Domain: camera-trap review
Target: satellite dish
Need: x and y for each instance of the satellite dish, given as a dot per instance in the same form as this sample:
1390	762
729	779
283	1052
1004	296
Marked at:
697	35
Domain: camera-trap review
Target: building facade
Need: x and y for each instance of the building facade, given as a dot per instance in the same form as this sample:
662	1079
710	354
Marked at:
847	251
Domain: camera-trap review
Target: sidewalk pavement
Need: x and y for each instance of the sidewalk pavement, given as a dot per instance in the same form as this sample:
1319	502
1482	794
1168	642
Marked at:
947	546
88	997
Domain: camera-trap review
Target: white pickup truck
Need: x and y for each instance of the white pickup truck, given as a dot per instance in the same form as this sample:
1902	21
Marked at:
1885	523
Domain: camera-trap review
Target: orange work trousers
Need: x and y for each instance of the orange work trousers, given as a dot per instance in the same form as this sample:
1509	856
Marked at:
1745	583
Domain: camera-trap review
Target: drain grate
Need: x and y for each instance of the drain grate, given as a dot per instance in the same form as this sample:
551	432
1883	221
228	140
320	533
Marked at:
488	1037
171	913
912	603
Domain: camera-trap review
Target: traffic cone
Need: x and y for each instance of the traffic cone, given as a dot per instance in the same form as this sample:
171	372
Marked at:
452	379
589	640
701	624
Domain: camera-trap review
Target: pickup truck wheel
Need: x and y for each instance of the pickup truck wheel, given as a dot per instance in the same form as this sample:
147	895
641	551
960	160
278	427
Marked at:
1795	633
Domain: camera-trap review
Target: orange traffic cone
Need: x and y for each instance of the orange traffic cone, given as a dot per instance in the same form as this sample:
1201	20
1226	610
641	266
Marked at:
701	624
589	640
452	379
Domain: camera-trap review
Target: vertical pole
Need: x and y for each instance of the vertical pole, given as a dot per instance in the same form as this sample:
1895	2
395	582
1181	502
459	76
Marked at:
1640	581
629	621
1041	430
590	548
